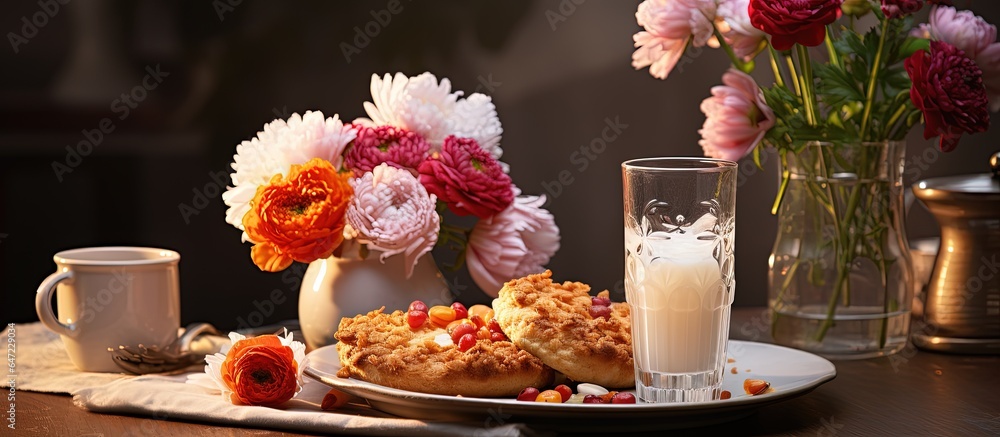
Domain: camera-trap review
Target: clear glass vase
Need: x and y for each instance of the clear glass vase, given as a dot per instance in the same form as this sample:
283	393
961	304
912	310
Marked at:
840	272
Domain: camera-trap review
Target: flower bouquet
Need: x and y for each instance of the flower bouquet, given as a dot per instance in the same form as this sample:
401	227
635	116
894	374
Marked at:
307	187
850	79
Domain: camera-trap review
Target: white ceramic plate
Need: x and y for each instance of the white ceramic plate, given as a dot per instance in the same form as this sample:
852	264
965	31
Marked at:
791	373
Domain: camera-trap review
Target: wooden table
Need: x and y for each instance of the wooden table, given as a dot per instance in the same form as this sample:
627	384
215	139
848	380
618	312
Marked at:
911	393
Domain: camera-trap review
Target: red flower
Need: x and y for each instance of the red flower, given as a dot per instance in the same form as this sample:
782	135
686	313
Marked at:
794	21
900	8
948	88
467	178
395	146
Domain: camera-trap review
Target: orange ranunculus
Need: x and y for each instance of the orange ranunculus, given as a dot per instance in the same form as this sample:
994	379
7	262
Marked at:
298	218
260	371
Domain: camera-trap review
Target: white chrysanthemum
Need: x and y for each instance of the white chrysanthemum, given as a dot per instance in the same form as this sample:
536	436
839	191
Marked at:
393	213
476	117
274	150
518	241
212	378
423	105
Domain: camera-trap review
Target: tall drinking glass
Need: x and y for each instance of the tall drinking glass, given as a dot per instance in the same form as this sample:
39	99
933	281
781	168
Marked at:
680	220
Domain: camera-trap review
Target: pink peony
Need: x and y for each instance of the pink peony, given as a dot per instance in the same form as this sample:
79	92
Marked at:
516	242
740	35
948	89
737	117
894	9
392	145
467	178
392	212
972	35
669	26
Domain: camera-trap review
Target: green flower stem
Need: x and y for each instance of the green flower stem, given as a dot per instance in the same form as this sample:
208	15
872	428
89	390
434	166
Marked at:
832	51
808	91
778	79
745	67
785	176
890	126
872	81
794	74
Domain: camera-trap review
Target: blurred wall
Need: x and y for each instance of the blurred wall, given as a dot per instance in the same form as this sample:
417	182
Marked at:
203	76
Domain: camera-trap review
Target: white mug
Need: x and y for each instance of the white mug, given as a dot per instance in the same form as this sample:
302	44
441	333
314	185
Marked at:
111	296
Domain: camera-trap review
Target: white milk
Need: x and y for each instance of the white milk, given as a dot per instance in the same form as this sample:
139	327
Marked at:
679	306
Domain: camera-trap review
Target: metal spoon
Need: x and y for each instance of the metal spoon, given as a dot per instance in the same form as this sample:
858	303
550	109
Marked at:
176	356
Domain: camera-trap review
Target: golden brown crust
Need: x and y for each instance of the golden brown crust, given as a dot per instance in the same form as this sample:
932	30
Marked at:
382	349
553	322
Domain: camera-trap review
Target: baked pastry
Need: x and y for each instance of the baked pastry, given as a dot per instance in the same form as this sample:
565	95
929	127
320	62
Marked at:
554	322
383	349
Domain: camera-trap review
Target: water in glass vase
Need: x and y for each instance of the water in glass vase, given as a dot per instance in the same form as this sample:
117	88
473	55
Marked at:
840	272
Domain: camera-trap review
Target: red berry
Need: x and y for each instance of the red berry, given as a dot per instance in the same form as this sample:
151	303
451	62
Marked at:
498	336
494	326
592	399
418	306
600	311
602	301
528	394
466	342
565	391
461	330
460	311
623	398
416	319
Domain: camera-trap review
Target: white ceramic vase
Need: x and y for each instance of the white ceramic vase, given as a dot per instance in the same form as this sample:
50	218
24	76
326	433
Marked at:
346	286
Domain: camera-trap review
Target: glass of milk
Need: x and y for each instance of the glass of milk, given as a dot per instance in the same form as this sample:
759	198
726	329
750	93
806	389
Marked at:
680	216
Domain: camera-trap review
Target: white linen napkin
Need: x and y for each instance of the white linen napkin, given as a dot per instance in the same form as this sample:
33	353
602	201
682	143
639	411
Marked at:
170	398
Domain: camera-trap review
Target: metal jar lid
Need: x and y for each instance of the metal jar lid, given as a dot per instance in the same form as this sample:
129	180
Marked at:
976	193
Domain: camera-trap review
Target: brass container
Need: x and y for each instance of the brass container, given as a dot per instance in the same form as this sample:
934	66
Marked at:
962	311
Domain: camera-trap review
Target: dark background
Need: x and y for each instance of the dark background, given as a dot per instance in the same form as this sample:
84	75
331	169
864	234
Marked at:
556	72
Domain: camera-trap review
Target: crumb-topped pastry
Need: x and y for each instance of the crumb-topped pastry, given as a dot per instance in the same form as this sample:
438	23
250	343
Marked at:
587	338
384	349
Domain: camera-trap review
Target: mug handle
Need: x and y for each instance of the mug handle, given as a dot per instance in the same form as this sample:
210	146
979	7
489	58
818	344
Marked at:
43	304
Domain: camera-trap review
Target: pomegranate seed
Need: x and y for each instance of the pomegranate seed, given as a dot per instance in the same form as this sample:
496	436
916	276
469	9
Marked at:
461	330
529	394
725	395
460	311
565	391
418	306
466	342
602	301
498	336
600	311
592	399
477	320
623	398
456	322
494	326
550	396
416	319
